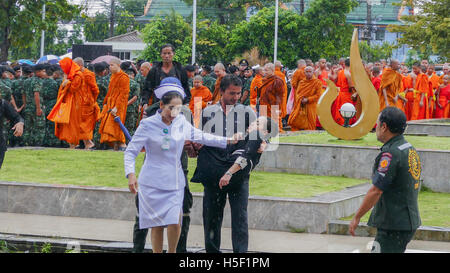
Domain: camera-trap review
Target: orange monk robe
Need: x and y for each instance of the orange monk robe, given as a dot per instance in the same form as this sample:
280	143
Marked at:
391	81
323	76
117	96
434	82
345	96
443	99
256	83
422	87
407	83
298	76
90	111
376	81
285	92
272	89
200	96
216	95
66	114
312	90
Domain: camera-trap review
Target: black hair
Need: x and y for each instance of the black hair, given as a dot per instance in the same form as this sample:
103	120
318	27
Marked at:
207	68
394	118
233	69
99	67
416	64
167	45
39	67
169	96
190	68
230	79
347	62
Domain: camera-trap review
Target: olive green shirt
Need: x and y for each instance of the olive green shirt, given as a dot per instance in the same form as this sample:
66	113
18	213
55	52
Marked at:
396	172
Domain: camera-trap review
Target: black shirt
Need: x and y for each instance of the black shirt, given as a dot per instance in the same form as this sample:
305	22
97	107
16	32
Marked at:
8	112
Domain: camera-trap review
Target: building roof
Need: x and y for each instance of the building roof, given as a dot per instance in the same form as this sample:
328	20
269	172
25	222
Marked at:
130	37
163	7
384	12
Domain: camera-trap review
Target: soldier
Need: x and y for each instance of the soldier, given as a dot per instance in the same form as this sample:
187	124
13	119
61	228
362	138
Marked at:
133	100
102	79
34	133
395	179
49	94
208	81
247	81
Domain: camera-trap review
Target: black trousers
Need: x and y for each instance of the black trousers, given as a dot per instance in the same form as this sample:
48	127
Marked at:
214	200
140	235
392	241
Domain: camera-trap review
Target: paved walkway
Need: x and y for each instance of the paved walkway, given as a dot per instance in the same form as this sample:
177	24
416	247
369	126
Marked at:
259	240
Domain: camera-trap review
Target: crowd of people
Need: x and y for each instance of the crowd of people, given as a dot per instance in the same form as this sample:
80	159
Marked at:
289	96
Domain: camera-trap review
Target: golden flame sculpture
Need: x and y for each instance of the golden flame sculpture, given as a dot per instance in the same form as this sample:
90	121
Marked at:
370	106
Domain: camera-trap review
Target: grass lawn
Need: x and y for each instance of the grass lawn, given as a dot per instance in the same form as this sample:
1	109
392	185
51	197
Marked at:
105	169
419	142
434	209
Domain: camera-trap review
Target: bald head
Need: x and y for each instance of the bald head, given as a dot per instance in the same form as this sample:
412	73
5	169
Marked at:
79	61
278	64
301	63
394	64
309	72
145	68
269	69
219	70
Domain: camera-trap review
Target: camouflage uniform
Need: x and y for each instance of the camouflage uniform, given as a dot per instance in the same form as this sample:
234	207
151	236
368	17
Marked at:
103	84
5	93
209	82
49	95
34	129
132	109
17	91
140	79
246	87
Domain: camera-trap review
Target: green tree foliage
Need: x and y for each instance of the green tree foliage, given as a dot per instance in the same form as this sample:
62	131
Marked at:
429	27
96	28
328	35
321	32
133	7
212	39
373	53
170	29
21	21
259	33
229	12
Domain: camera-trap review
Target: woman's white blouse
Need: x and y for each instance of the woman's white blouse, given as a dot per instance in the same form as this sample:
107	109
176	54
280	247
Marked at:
162	168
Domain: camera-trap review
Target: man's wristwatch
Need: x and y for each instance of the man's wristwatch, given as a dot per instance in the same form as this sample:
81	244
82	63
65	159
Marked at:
229	174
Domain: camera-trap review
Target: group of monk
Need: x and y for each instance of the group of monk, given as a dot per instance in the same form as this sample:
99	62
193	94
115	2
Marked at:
421	93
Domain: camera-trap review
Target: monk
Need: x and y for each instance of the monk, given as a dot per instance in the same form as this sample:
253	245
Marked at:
256	83
271	94
391	84
90	111
434	82
322	73
66	112
115	101
201	97
408	89
421	90
376	78
303	117
443	99
219	70
446	71
299	74
346	88
282	76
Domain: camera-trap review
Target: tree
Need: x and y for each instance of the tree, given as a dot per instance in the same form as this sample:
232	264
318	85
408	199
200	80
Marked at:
96	29
259	33
170	29
229	12
212	39
373	53
327	32
21	21
429	27
134	7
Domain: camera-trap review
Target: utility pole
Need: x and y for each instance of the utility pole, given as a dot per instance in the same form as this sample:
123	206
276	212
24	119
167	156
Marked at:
194	29
275	49
302	6
369	20
111	18
43	32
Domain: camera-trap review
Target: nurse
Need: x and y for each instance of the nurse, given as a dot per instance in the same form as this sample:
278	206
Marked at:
161	180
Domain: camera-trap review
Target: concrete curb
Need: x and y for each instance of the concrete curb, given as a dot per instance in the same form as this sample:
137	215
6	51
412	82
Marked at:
423	233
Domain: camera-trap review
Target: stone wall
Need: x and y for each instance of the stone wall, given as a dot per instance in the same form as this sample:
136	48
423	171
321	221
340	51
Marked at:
264	213
349	161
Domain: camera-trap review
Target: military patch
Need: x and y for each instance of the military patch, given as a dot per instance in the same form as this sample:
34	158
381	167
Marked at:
414	164
385	161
